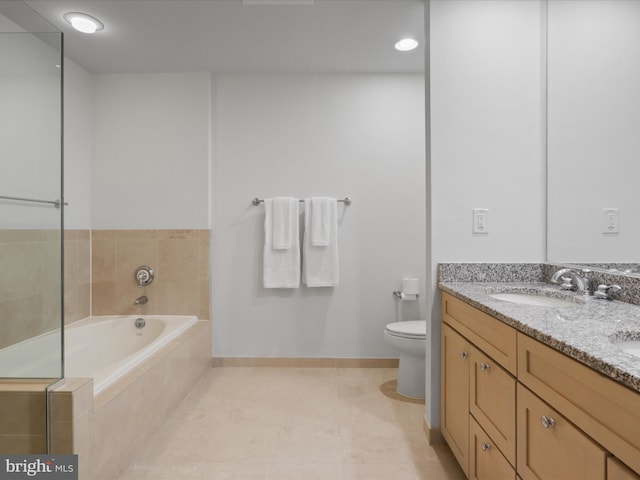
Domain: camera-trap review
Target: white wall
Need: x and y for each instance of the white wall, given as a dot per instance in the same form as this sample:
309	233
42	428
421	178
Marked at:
78	145
594	146
334	135
486	142
151	151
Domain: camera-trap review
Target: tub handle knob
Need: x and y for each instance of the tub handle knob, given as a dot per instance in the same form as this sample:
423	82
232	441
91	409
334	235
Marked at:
144	275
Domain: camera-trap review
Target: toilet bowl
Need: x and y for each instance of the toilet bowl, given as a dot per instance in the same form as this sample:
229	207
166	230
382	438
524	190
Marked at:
409	338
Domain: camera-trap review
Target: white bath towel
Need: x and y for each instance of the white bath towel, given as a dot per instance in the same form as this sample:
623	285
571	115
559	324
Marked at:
323	221
281	267
320	263
284	214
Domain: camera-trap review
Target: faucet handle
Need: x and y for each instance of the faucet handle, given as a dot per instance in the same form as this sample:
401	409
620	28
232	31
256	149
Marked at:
144	275
607	292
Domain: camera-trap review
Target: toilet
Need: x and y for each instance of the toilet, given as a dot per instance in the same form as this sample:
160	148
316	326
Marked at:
409	338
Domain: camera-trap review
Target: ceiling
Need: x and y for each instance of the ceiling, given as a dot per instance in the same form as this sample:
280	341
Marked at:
234	37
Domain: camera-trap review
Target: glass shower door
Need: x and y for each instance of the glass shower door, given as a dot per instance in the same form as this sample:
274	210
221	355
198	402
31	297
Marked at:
31	219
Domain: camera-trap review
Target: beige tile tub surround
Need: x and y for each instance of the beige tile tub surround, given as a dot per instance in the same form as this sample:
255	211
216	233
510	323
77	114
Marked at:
180	259
29	283
109	430
72	407
77	275
23	416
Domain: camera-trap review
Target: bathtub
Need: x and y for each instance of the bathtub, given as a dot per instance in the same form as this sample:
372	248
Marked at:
37	357
120	385
105	348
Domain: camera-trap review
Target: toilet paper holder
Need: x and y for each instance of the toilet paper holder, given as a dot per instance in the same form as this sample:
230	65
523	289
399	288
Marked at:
410	289
405	296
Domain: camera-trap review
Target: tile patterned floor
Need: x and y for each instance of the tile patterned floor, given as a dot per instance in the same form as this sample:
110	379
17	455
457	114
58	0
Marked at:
294	424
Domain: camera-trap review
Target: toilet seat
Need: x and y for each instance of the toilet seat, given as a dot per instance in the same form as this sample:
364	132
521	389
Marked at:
410	329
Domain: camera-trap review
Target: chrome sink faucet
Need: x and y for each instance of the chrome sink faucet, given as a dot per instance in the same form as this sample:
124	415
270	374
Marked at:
572	280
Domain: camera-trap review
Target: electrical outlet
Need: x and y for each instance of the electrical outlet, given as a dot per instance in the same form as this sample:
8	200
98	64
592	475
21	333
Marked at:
480	220
610	221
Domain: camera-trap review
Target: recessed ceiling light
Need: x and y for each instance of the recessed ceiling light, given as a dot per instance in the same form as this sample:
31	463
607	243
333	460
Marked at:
406	44
83	23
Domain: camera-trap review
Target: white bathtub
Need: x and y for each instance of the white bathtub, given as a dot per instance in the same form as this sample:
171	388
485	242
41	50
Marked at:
38	357
104	348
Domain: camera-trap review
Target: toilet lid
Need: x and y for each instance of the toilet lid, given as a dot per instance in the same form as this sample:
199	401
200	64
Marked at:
410	328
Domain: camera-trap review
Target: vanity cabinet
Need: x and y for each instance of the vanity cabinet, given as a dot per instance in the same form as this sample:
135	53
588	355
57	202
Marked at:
512	407
478	352
550	447
454	350
604	409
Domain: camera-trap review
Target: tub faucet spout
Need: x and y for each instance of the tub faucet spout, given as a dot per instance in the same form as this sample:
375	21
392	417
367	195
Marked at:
141	300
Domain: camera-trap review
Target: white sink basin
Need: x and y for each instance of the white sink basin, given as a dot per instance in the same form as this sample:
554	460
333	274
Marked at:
535	300
628	346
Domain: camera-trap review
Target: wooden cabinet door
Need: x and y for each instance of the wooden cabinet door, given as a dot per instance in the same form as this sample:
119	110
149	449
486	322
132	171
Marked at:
602	408
552	448
492	401
617	470
454	401
486	462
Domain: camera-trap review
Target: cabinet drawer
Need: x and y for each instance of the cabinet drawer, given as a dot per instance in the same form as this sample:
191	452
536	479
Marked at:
550	447
616	470
493	337
485	460
599	406
492	401
454	404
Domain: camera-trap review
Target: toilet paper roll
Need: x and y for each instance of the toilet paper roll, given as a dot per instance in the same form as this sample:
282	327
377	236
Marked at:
411	286
408	296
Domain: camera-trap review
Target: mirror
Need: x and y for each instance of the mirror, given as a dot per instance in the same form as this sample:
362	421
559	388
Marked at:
593	136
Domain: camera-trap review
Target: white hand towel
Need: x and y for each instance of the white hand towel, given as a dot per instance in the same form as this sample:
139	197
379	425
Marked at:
320	264
281	268
321	220
284	212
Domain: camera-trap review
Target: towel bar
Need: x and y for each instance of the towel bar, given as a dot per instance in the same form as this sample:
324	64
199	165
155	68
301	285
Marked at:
257	201
56	203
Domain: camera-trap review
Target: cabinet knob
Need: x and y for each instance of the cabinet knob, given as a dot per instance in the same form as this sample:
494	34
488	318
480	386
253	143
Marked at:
485	446
485	367
463	354
547	421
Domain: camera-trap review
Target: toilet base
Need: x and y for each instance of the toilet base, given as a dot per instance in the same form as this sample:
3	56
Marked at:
411	376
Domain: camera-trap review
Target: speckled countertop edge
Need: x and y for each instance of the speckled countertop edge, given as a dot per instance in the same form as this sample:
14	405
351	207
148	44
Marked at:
534	272
582	332
491	272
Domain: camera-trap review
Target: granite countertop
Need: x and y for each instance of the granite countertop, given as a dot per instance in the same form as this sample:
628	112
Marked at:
582	332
